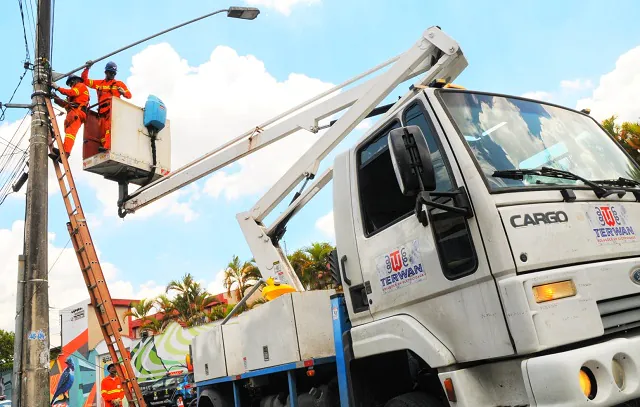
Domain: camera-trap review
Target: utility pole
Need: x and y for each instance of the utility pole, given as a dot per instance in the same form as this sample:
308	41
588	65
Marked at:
35	334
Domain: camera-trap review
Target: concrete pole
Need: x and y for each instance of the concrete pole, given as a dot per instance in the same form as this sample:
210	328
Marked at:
35	336
17	346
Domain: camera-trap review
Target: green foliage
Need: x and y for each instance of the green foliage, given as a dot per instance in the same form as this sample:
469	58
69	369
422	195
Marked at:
6	349
311	265
188	305
240	276
217	312
190	301
627	135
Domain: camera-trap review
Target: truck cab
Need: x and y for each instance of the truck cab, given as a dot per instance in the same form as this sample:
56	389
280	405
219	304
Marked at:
510	287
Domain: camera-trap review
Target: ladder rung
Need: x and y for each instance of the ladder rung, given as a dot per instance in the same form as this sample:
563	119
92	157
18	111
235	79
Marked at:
68	193
84	270
64	174
80	250
73	212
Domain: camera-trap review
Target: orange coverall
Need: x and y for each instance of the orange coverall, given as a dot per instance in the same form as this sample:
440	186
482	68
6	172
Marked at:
111	389
75	105
105	90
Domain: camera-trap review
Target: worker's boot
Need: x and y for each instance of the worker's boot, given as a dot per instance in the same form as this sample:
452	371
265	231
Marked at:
55	155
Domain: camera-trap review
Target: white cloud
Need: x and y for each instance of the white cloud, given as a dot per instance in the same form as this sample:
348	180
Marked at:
576	84
325	224
215	102
617	92
538	95
217	285
282	6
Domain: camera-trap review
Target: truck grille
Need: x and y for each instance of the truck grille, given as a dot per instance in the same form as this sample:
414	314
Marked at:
620	313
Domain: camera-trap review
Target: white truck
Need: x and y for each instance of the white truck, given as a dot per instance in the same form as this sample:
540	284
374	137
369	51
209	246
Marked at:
486	245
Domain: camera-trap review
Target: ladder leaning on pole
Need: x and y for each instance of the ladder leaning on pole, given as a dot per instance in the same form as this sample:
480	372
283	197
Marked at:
92	272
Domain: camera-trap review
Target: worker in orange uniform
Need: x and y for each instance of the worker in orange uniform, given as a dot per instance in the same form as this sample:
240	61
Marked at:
76	105
106	89
111	388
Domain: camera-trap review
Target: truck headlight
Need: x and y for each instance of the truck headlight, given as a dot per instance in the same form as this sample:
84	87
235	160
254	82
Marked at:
554	291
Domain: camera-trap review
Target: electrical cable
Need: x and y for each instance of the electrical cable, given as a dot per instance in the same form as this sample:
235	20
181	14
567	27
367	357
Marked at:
35	290
4	109
32	22
53	20
26	61
11	164
24	31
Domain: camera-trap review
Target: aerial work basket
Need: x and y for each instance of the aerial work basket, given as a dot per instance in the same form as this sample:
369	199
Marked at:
131	158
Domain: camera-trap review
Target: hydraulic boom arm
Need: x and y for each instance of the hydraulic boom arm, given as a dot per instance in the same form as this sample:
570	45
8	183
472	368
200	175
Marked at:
434	53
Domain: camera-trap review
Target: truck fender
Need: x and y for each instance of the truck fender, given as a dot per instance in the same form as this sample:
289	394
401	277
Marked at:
397	333
213	398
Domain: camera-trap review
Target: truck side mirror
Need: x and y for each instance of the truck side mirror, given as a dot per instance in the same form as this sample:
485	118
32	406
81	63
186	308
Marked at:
411	160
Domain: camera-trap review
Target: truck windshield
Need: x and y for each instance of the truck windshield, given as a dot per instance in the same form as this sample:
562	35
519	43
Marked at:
507	133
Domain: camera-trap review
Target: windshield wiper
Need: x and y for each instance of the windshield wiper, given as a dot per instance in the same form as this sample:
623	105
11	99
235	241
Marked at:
600	191
620	182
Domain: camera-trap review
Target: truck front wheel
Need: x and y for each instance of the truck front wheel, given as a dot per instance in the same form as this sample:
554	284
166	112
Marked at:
414	399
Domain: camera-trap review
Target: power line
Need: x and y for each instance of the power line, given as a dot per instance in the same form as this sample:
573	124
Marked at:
12	164
24	31
53	20
32	22
35	290
4	109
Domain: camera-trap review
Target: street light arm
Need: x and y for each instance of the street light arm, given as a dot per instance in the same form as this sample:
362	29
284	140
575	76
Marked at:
256	11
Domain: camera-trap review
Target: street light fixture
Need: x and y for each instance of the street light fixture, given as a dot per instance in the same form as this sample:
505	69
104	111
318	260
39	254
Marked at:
245	13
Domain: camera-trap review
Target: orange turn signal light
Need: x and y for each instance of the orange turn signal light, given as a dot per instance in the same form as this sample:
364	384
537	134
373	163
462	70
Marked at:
554	291
448	387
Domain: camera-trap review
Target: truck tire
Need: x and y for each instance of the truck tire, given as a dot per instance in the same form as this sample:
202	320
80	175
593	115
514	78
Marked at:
414	399
213	398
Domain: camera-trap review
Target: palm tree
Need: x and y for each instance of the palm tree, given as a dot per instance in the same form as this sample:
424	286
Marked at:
300	262
140	309
316	271
216	313
188	306
156	326
241	276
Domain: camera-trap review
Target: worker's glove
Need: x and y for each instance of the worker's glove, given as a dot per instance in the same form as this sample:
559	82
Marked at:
89	63
55	86
122	92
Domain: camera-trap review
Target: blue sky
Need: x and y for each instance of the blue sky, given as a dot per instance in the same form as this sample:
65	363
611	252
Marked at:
512	47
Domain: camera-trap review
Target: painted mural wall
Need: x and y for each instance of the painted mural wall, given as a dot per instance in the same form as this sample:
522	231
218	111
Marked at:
77	372
155	356
6	384
73	373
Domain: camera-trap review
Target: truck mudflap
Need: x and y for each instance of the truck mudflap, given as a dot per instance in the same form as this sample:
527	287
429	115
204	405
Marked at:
604	374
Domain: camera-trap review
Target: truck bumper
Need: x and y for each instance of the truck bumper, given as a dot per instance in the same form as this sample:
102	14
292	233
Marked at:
554	380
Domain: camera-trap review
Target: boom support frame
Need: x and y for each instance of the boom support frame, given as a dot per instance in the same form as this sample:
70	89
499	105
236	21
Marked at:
435	53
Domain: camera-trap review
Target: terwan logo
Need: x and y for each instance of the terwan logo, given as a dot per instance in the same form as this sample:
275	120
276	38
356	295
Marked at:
400	267
396	260
610	224
607	216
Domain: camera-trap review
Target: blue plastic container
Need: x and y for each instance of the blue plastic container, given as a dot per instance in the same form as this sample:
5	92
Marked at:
155	113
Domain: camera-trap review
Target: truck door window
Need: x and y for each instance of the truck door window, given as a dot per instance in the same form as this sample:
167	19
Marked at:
381	200
451	231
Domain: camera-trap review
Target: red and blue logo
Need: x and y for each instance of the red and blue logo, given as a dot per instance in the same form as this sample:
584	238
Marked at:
611	225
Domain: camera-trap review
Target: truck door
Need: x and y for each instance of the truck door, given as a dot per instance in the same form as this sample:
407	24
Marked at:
437	274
